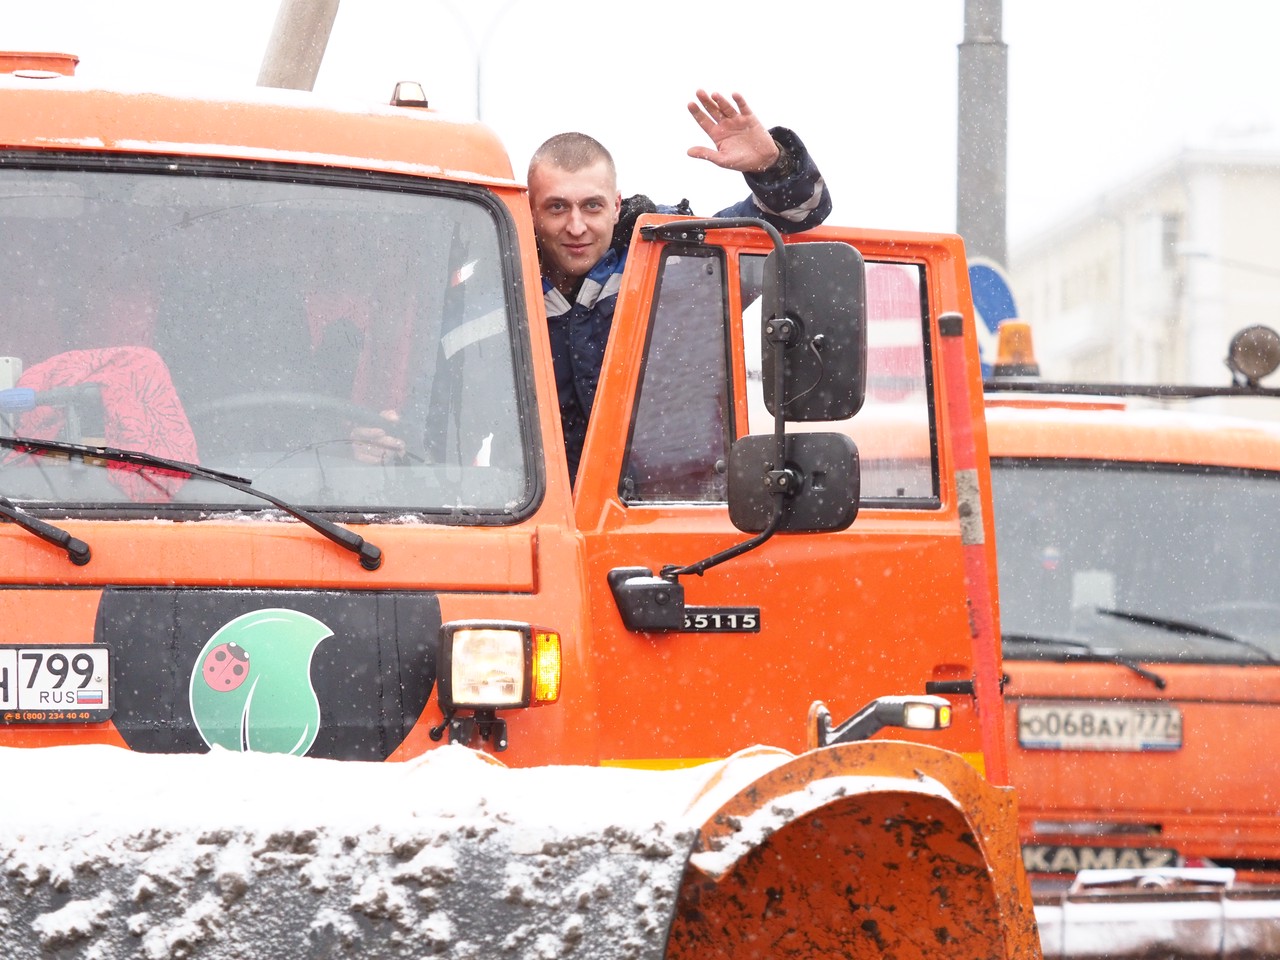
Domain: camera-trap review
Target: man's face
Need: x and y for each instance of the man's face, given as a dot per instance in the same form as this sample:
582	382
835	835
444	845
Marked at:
573	217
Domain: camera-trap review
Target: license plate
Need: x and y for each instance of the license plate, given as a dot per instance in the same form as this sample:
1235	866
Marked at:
55	684
1076	725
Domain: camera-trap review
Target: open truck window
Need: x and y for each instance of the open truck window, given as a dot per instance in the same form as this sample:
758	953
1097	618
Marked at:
260	325
894	429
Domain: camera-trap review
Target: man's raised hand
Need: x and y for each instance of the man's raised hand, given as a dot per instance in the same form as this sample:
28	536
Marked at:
741	141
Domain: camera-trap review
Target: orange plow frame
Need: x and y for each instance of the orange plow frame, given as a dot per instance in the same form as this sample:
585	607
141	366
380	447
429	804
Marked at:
871	849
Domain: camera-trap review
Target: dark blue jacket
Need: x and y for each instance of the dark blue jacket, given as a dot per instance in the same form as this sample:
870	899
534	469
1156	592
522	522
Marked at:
793	200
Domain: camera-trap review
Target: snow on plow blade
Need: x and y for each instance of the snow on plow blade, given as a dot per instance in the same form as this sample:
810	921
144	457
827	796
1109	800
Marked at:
107	854
1187	914
860	850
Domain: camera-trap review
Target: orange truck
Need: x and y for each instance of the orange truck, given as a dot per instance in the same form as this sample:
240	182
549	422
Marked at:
1139	588
207	302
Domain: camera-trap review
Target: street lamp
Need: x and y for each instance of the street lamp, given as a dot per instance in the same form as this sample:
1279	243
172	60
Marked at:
478	48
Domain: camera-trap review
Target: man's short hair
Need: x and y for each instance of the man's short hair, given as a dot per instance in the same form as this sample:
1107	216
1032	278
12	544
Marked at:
572	151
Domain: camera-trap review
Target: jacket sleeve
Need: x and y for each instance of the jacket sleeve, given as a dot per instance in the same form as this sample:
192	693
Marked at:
791	195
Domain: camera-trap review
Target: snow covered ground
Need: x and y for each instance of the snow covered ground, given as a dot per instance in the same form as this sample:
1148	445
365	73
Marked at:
111	854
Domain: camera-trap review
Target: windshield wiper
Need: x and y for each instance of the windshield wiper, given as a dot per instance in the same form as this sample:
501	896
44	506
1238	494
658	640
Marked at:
1105	655
77	550
370	555
1186	627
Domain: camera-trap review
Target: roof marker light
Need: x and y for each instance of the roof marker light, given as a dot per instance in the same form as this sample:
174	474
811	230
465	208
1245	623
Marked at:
409	93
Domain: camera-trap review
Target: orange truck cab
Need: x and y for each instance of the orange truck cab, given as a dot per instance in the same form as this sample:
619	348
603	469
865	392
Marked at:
1141	629
211	303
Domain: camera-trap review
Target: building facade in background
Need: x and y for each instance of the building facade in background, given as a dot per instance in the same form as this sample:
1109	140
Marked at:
1150	284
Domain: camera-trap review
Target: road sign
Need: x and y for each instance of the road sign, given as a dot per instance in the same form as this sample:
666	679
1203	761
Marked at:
992	303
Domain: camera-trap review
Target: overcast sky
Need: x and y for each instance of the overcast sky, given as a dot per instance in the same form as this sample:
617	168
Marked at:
1099	90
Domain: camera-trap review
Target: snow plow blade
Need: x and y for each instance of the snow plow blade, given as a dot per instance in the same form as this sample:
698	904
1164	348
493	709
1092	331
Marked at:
871	849
1179	914
878	849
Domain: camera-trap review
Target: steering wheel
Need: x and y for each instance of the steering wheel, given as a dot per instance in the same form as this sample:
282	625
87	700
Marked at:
286	420
271	401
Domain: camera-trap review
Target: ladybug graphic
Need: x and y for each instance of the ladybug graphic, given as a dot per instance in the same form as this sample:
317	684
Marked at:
226	666
250	686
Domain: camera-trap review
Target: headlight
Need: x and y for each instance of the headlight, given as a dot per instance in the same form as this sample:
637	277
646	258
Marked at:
497	665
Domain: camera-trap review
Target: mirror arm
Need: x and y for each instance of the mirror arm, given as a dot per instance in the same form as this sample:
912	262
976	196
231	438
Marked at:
672	572
779	331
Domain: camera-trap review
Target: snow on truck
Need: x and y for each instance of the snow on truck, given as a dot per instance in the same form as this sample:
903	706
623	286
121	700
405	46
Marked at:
1138	585
205	299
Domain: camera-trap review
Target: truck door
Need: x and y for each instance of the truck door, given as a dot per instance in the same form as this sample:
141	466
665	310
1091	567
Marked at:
877	609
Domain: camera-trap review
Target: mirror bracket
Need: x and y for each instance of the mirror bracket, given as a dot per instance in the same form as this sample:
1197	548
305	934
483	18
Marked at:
780	330
786	481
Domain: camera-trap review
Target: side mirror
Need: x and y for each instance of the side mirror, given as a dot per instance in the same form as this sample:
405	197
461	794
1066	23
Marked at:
825	361
821	468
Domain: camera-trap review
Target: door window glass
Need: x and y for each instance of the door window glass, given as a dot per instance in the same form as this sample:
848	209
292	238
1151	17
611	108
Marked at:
679	447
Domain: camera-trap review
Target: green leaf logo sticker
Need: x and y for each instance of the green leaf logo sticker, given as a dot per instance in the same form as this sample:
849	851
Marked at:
251	685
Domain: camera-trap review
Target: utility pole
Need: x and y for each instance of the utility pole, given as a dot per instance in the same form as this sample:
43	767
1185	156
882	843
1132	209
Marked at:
297	43
982	135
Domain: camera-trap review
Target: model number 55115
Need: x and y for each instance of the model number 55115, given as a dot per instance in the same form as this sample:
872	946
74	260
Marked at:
722	620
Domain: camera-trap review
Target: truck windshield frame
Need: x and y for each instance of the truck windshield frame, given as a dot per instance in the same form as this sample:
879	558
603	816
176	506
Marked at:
354	342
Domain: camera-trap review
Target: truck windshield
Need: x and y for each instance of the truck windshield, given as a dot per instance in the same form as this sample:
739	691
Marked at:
349	348
1159	565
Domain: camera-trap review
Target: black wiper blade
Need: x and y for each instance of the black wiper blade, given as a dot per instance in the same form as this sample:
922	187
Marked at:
370	555
139	457
77	550
1109	656
1173	625
1036	638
